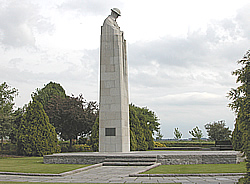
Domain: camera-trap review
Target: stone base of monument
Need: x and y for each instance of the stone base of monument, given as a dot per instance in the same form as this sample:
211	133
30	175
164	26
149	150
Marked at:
146	158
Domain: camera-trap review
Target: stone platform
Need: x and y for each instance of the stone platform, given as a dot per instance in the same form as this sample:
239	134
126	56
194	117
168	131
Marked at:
163	157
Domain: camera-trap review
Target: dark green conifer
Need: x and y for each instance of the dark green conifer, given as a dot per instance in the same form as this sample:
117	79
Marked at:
36	136
133	142
94	138
241	105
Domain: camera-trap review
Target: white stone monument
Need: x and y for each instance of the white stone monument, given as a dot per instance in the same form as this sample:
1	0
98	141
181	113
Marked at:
114	132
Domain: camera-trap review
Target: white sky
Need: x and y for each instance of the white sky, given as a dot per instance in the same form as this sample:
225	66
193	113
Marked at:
181	53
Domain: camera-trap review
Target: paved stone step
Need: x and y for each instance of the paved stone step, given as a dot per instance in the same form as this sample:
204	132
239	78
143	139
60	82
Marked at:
130	160
128	163
132	156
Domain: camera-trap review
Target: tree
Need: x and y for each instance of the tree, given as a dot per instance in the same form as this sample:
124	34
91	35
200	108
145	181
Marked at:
137	135
159	136
7	95
217	131
36	136
241	106
237	136
149	117
196	132
141	136
177	134
17	118
72	116
47	92
94	138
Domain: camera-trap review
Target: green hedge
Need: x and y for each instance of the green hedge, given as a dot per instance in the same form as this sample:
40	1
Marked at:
75	148
186	144
8	149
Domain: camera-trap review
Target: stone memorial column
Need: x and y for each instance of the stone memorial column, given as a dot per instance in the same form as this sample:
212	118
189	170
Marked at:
114	132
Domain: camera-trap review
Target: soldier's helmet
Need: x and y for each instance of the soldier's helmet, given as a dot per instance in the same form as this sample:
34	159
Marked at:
117	11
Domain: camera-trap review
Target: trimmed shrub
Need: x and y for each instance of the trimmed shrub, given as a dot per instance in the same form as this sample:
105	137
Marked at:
187	144
75	148
8	149
158	144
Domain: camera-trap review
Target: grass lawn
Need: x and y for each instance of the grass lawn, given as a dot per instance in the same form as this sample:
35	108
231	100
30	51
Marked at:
199	169
35	165
11	182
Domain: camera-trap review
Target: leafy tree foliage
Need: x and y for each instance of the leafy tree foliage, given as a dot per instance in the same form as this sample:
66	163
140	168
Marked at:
177	133
137	134
241	105
71	116
133	141
47	92
149	117
217	131
196	132
94	138
36	136
17	118
239	95
142	122
237	135
7	95
159	136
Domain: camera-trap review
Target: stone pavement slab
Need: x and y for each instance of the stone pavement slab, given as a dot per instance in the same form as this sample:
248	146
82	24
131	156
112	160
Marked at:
119	174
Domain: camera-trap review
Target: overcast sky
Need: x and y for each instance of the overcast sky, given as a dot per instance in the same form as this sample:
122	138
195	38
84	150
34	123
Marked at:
181	53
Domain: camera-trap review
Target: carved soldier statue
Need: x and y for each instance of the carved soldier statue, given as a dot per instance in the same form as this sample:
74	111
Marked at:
111	19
